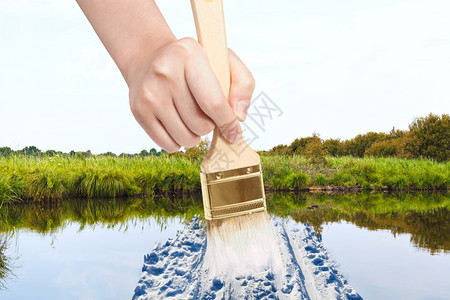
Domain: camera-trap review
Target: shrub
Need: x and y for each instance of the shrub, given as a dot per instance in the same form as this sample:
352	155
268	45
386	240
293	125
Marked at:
198	152
387	148
315	153
333	147
320	180
341	178
298	146
99	182
280	150
298	181
358	145
429	137
44	184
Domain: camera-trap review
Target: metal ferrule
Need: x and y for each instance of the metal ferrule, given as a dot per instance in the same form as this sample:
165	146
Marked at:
233	193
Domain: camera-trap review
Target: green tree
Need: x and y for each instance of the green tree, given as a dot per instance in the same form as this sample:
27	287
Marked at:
396	133
333	147
315	152
85	154
358	145
109	153
144	153
6	151
298	146
31	151
280	150
387	148
153	152
50	153
429	137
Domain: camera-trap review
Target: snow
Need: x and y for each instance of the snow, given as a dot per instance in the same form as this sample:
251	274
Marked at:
284	260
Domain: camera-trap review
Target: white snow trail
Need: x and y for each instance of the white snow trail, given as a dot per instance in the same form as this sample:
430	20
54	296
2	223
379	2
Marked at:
178	269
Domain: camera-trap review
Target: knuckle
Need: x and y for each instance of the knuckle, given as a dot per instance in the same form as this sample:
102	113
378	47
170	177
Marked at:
188	40
207	128
186	46
214	105
230	125
136	106
192	142
172	148
143	101
161	66
203	128
249	82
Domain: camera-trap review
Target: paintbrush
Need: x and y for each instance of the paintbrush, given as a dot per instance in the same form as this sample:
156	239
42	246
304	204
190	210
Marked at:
231	175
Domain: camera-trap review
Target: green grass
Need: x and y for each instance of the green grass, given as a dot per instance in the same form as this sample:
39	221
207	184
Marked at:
367	173
107	177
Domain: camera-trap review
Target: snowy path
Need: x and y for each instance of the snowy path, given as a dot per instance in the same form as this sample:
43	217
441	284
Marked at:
177	270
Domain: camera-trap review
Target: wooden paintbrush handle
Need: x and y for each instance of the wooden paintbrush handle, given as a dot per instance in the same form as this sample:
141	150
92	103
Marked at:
210	25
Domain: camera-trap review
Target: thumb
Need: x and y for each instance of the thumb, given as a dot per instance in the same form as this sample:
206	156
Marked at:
242	86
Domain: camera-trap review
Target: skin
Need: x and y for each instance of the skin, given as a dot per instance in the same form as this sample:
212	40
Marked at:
174	94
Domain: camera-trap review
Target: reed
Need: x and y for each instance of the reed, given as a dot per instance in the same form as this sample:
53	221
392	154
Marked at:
367	173
5	261
37	178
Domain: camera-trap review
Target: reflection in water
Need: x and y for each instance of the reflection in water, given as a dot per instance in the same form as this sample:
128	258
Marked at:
48	217
6	266
425	216
51	217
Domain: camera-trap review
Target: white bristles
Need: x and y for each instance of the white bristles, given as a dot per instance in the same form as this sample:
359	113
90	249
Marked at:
242	245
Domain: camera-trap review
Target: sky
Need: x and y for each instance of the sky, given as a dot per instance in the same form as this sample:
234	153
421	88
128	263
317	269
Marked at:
337	68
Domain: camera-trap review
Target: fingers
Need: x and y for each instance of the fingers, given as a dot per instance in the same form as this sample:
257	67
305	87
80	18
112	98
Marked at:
242	86
177	98
165	126
209	96
191	114
157	132
176	128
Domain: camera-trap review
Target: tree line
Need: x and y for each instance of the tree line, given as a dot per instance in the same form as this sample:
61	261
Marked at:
33	151
427	137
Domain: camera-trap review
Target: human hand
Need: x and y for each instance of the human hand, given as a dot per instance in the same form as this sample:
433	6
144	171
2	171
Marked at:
176	97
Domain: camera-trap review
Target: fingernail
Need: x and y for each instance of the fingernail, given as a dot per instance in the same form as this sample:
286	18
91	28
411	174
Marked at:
242	110
233	135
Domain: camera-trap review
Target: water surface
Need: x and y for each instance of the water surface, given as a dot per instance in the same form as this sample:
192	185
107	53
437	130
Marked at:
388	246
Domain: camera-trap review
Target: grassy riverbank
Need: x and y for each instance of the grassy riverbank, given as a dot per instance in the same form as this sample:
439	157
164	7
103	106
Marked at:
37	178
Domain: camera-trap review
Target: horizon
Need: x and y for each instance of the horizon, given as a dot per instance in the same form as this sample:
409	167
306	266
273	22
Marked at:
208	138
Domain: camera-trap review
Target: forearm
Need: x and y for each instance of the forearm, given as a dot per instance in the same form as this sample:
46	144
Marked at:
129	29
